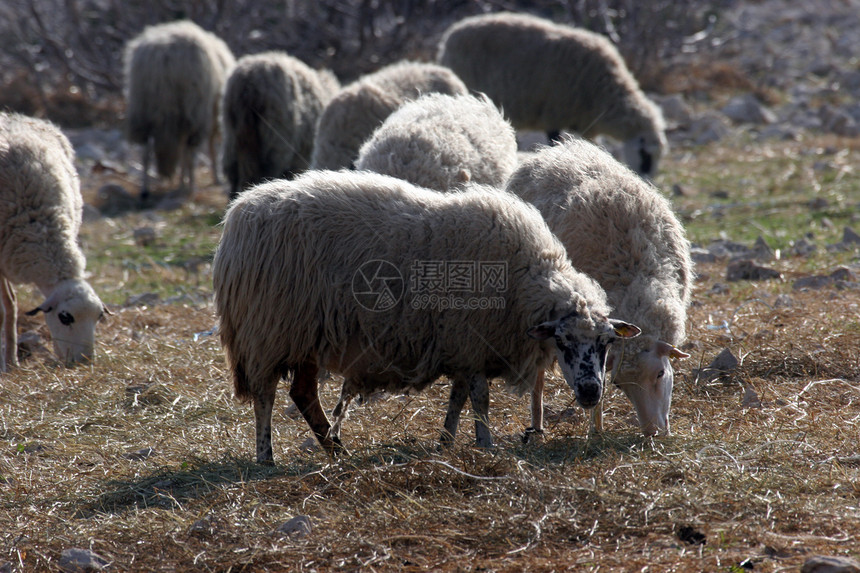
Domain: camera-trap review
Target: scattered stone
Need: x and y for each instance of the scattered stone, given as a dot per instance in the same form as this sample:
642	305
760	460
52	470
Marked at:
138	455
708	128
762	251
720	194
803	248
143	299
298	527
114	200
746	270
838	121
750	399
724	363
830	564
310	445
719	288
675	110
841	277
81	561
144	236
691	535
748	109
700	255
90	214
783	301
849	235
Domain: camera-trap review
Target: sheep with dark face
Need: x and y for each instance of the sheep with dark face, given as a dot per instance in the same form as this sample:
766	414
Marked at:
623	233
270	108
174	74
40	216
551	77
330	255
359	108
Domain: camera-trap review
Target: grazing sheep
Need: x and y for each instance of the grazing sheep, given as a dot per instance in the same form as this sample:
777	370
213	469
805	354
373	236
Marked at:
359	108
622	232
174	74
327	256
40	216
550	77
270	108
440	141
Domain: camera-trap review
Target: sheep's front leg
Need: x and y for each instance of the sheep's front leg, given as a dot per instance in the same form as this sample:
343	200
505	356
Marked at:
305	394
340	410
479	392
9	316
459	392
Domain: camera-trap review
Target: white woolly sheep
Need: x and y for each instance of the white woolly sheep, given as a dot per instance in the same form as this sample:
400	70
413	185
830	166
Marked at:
327	257
174	74
440	141
623	233
359	108
551	77
269	112
40	216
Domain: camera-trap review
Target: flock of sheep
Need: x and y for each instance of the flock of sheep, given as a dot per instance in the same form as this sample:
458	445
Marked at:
416	162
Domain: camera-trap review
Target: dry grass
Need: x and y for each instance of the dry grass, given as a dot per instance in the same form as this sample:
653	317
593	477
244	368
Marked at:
145	458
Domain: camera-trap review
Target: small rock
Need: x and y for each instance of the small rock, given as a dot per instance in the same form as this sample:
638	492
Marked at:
724	363
749	271
310	445
144	236
783	301
700	255
691	535
143	299
138	455
849	235
675	110
750	399
90	214
708	128
838	121
803	248
81	561
825	564
762	251
748	109
298	527
114	200
720	194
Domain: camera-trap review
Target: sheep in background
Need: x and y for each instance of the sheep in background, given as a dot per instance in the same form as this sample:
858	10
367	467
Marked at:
354	113
269	111
550	77
40	216
174	74
441	141
623	233
331	257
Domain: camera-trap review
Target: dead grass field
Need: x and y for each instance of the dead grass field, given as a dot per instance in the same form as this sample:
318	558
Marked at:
145	458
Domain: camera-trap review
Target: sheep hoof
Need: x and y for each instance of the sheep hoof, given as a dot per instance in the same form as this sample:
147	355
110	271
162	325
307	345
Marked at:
529	432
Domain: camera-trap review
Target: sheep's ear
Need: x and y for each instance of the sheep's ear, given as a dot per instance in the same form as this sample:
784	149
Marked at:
624	329
41	308
543	330
666	349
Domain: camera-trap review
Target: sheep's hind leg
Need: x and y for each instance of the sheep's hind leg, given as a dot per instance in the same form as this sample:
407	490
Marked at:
479	393
459	392
305	393
263	403
9	316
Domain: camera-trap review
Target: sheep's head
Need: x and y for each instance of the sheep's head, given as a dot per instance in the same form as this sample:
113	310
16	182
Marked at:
582	346
646	377
642	152
72	310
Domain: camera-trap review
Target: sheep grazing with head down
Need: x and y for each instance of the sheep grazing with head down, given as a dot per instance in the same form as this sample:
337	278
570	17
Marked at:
40	216
441	141
359	108
270	108
174	74
623	233
551	77
336	258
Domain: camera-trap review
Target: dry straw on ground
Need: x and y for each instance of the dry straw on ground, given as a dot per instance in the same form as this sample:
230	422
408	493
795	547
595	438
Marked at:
145	458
